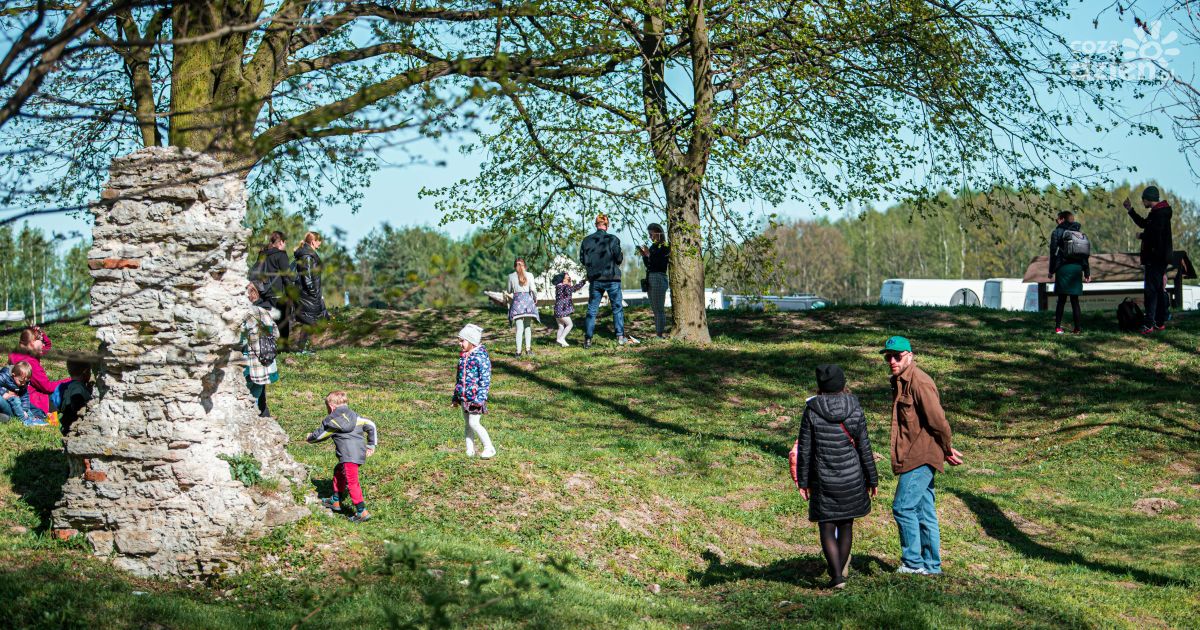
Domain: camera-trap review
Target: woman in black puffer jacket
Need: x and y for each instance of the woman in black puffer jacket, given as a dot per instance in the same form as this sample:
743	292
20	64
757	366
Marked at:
835	468
310	305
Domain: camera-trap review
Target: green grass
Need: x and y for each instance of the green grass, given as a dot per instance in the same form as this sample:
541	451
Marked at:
665	465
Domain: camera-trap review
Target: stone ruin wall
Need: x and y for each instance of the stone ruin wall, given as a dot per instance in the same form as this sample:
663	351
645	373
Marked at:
146	487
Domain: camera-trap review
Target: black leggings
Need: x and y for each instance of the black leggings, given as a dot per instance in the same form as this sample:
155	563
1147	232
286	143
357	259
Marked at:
263	411
836	538
1058	310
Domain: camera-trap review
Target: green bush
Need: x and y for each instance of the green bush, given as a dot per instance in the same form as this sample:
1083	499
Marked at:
245	468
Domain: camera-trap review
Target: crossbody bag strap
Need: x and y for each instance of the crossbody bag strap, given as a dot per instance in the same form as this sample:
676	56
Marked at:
848	436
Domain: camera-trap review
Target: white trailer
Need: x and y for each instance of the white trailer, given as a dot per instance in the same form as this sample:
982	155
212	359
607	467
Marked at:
930	292
1008	294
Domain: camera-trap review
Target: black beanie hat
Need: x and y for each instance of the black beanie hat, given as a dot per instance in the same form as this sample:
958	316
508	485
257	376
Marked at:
830	379
1151	193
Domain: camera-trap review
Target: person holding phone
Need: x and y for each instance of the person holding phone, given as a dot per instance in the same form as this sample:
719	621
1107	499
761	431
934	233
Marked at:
1155	253
657	257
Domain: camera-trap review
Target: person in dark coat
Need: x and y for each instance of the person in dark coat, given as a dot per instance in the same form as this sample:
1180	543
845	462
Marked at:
835	468
601	255
1069	271
310	302
276	284
657	257
1156	255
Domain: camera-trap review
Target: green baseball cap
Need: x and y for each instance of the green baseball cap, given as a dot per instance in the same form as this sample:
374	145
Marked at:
896	344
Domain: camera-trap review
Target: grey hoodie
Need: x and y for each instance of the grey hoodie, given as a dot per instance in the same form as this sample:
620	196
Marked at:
352	435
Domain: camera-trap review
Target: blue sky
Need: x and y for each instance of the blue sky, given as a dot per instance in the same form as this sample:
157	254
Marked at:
392	195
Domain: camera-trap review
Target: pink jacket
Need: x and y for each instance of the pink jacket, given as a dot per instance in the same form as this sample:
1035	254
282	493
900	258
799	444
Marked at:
40	385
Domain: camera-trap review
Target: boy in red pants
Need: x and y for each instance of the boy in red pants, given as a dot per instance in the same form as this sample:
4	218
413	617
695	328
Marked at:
354	440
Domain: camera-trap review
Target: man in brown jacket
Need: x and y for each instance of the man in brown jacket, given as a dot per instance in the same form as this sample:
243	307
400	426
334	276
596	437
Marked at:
920	444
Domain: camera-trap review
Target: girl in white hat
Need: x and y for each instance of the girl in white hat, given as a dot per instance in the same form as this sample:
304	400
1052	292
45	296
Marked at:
471	388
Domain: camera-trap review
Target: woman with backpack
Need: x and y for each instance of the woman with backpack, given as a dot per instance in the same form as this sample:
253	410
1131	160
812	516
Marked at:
1068	267
310	305
835	468
258	349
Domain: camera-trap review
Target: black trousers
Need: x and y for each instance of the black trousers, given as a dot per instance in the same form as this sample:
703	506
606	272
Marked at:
1155	297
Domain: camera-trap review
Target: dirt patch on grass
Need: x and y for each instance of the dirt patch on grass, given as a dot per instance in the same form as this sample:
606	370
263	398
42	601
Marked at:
579	482
1024	525
1153	506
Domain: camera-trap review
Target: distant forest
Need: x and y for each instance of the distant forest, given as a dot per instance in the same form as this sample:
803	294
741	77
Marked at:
982	236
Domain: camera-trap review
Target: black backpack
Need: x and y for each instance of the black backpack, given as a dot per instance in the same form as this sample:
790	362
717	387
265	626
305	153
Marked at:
266	350
1075	244
1129	315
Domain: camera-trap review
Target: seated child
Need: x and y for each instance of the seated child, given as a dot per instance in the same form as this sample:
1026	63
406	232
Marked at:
354	440
71	397
14	384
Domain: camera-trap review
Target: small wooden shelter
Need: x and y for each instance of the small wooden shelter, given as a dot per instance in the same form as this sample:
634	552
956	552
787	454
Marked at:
1113	268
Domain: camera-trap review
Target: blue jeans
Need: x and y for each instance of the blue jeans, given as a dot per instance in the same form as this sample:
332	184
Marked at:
7	408
920	539
595	293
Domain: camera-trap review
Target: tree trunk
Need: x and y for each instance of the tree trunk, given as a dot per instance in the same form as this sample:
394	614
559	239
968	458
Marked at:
213	109
687	260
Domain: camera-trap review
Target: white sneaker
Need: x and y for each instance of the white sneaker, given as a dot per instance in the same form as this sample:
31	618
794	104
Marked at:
563	344
470	448
487	453
909	570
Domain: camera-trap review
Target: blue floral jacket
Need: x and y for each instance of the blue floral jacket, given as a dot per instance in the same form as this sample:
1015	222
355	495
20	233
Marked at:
474	380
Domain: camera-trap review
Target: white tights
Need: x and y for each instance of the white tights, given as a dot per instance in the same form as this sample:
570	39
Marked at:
524	328
564	328
474	431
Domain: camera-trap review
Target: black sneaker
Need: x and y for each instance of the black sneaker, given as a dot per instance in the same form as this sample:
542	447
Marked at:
587	342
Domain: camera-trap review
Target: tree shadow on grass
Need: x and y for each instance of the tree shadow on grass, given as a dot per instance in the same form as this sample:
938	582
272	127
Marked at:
1000	527
590	396
38	477
805	571
323	487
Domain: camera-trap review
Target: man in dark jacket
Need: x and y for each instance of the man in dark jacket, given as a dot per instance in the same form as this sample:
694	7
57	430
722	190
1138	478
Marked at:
600	253
1156	254
920	444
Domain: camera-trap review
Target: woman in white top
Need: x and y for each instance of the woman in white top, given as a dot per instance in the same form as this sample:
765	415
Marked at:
522	310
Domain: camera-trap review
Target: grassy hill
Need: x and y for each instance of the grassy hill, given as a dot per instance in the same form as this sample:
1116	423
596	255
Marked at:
656	479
